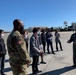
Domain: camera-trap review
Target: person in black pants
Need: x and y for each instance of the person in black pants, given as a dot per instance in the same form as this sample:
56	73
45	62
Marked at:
73	39
2	51
49	41
43	38
35	51
35	64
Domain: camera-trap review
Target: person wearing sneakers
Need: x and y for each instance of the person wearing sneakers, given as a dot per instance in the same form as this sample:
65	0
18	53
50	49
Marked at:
41	45
35	52
49	41
57	40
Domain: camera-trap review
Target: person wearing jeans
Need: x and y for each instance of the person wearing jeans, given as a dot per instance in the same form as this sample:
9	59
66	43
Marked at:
57	40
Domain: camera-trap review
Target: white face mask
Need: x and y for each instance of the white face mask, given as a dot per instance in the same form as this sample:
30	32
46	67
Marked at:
39	32
2	35
26	36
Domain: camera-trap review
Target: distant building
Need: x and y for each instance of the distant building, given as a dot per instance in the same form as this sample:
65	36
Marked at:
72	27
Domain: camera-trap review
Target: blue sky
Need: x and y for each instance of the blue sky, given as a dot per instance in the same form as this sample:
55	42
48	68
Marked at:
37	12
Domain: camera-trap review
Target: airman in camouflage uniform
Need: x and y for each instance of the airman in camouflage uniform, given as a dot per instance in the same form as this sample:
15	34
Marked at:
18	55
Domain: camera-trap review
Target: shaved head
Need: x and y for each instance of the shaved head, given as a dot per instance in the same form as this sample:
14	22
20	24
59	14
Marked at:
16	23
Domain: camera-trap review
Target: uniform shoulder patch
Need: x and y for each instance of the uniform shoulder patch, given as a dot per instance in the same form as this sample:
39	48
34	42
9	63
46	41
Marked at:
20	42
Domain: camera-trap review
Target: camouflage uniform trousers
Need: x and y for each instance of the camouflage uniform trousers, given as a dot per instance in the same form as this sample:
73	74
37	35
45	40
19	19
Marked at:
19	69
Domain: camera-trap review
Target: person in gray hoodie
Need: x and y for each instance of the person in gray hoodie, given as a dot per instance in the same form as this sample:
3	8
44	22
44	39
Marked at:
35	51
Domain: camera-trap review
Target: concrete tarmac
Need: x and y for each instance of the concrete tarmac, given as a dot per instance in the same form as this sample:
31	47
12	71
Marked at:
58	64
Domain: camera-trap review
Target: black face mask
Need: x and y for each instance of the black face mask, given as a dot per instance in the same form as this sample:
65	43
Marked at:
21	29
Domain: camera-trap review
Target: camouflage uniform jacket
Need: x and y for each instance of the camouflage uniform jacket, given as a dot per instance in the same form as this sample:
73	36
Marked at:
17	49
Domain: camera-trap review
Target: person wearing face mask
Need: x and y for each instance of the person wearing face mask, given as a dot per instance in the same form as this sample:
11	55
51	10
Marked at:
18	55
39	34
2	51
26	38
49	41
35	51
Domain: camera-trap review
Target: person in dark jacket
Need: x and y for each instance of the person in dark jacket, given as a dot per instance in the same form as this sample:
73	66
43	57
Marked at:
73	39
43	38
2	51
49	41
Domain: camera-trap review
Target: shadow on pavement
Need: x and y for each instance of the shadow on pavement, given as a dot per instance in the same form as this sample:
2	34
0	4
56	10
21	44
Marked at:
59	71
7	69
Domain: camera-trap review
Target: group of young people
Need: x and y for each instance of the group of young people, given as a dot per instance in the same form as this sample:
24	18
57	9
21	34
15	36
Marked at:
17	46
37	46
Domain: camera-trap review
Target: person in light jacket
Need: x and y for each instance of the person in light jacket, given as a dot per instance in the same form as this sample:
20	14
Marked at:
57	40
35	51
